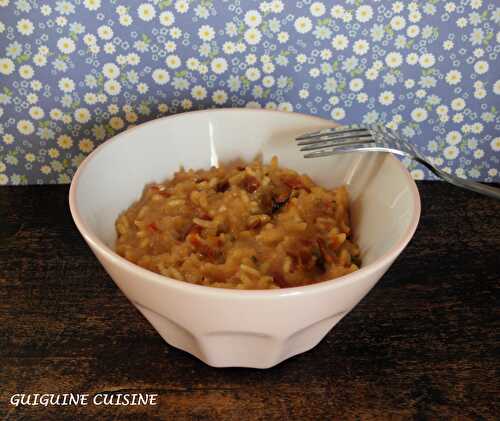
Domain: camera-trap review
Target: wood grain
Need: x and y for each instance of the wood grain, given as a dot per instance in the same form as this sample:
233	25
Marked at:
421	345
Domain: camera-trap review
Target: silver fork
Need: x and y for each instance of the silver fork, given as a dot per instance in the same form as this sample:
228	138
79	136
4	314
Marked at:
378	138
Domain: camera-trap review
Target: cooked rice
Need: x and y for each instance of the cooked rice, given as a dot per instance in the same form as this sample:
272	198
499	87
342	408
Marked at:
247	227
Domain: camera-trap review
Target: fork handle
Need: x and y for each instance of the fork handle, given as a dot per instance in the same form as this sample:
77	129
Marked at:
466	184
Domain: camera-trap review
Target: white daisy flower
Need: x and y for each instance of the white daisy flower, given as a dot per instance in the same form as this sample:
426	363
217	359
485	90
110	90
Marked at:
92	4
496	87
495	144
458	104
89	39
419	114
479	93
173	61
112	87
111	71
268	67
301	58
82	115
142	88
61	21
268	81
285	106
492	172
417	174
55	114
116	123
198	92
347	17
26	71
125	20
181	6
36	113
364	13
253	18
6	66
317	9
453	77
397	23
361	47
477	128
66	85
170	46
476	4
371	74
109	48
409	83
146	12
338	113
160	76
253	105
277	6
206	33
283	37
462	22
65	141
427	60
478	52
46	10
393	60
333	100
252	36
219	97
386	98
229	47
25	127
218	65
303	25
340	42
448	45
192	63
39	60
481	67
252	74
356	84
412	31
105	32
451	152
453	137
32	98
251	59
415	16
450	7
66	45
121	59
133	59
337	12
412	59
25	27
167	18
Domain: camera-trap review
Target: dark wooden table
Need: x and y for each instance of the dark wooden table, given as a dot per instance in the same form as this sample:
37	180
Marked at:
421	345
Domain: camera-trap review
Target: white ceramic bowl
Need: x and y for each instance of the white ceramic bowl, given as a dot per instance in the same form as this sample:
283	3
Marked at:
224	327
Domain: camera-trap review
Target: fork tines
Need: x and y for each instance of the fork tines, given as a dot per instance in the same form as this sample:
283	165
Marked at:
337	137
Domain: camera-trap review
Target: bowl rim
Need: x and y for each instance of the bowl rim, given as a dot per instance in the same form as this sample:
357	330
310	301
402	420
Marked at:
146	275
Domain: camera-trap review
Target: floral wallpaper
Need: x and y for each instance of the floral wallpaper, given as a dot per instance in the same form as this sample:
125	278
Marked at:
74	73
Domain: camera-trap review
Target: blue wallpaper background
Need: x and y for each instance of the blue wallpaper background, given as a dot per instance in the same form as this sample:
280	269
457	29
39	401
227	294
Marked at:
74	73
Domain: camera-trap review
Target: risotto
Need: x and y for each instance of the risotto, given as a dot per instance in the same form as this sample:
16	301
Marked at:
240	226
